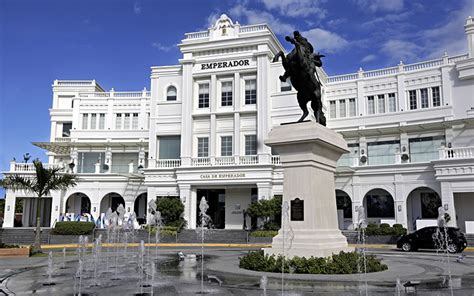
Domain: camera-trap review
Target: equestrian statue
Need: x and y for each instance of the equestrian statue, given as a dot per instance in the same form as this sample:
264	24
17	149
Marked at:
300	66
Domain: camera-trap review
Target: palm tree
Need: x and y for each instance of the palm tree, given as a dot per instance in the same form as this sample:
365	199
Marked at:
44	181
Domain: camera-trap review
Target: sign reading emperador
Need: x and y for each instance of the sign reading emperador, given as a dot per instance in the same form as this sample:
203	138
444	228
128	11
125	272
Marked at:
223	176
218	65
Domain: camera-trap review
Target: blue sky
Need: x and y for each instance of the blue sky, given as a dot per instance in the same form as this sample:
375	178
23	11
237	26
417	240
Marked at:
116	42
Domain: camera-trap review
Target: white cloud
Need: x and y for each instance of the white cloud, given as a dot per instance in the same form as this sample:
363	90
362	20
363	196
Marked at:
450	36
252	16
400	50
162	47
297	8
212	19
325	41
137	9
368	58
381	5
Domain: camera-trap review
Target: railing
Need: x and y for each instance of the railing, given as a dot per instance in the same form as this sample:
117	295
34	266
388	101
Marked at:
457	58
168	163
201	161
253	28
115	94
30	167
196	35
341	78
381	72
457	153
248	159
423	65
75	82
394	70
62	139
225	160
276	159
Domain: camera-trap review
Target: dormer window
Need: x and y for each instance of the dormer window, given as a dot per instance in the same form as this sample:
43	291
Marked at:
171	93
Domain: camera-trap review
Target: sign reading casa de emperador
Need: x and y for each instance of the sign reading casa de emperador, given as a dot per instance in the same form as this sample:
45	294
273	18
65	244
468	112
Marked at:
230	64
223	176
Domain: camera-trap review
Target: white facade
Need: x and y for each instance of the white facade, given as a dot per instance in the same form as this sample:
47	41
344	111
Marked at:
200	131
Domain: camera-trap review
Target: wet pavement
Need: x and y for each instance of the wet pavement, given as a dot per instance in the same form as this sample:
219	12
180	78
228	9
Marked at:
26	276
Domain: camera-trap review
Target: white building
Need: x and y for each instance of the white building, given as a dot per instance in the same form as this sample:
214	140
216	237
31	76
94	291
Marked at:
200	132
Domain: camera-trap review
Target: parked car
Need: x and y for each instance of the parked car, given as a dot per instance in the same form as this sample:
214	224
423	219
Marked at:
433	238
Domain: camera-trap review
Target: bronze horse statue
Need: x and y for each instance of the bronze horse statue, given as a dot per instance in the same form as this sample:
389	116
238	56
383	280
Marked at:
300	66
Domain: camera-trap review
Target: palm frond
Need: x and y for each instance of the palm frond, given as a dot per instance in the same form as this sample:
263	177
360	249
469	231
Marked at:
59	182
17	182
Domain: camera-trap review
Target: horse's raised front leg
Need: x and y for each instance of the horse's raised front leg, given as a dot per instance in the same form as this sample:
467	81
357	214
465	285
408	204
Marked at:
277	56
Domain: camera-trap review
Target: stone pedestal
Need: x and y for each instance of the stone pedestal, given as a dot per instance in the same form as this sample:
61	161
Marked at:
308	154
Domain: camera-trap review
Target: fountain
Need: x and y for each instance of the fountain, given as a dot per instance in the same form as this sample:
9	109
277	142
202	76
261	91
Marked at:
362	225
442	242
78	278
49	270
63	264
205	219
263	284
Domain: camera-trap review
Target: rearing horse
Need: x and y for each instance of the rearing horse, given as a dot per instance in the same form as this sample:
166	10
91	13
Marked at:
300	65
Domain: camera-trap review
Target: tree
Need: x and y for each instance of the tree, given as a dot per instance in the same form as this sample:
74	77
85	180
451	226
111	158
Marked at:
171	209
269	210
41	183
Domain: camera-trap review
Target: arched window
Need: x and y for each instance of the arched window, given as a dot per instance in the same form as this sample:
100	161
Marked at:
171	93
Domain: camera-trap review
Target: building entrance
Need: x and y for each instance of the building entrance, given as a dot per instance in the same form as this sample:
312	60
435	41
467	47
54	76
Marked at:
216	201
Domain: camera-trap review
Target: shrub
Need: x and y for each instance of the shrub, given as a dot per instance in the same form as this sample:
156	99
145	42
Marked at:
73	228
5	246
385	229
267	209
342	263
264	233
171	209
164	231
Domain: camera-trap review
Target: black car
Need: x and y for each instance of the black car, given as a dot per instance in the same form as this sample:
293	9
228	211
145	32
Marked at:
432	237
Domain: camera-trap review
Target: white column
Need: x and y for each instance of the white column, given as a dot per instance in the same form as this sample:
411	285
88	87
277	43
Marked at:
236	138
263	112
143	118
401	96
400	201
360	95
186	198
187	109
264	190
469	30
9	209
75	114
109	117
213	137
55	206
74	159
108	159
447	200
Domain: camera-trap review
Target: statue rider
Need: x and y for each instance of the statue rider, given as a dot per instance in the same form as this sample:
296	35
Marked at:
312	60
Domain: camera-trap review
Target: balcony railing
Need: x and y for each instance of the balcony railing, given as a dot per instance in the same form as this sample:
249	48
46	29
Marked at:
276	159
456	153
30	167
168	163
63	139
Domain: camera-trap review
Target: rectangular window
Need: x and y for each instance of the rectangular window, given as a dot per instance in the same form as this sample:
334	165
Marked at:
347	159
102	121
436	96
226	146
424	98
342	108
250	91
392	104
93	121
203	147
382	152
169	147
67	126
121	162
370	105
425	149
203	95
85	120
126	121
412	96
381	103
285	85
87	161
135	121
352	107
332	109
226	94
118	121
250	145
